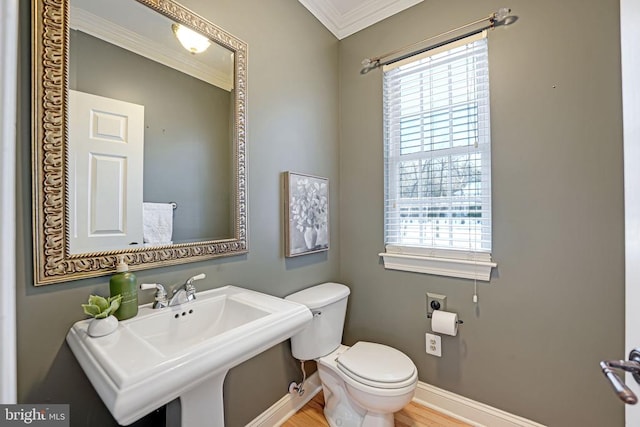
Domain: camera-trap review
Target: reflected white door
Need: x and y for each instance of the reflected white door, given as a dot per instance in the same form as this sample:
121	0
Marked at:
106	149
630	37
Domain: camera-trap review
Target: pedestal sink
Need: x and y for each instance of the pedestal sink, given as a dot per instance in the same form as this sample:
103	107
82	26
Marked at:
183	351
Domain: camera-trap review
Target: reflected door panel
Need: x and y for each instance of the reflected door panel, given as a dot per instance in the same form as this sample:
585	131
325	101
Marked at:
106	148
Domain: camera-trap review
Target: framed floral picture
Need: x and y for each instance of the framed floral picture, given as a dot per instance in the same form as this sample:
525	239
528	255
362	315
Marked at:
306	214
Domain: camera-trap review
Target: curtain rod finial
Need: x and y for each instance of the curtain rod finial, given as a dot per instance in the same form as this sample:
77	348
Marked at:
500	15
369	64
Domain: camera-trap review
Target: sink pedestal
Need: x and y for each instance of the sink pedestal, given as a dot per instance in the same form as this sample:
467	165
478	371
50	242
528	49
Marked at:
203	404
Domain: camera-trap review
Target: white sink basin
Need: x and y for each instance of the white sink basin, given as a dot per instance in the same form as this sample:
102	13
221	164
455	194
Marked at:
171	331
183	351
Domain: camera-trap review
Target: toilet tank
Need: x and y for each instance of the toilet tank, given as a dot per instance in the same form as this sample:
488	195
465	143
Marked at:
328	304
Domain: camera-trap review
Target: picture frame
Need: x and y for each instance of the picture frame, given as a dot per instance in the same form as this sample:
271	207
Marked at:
306	224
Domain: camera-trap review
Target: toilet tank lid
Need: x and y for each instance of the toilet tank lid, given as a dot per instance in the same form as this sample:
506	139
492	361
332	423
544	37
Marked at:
320	295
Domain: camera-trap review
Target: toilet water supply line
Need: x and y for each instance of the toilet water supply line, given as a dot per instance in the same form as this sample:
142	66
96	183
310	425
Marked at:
299	388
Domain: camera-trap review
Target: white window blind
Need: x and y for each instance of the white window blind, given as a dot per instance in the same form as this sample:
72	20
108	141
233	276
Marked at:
438	151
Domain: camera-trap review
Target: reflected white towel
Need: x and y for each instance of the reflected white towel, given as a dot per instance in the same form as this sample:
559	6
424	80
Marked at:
157	223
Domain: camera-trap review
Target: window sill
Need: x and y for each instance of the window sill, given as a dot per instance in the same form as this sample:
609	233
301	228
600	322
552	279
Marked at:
440	265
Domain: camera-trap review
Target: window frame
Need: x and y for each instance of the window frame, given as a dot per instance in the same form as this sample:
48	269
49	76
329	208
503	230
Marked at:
458	262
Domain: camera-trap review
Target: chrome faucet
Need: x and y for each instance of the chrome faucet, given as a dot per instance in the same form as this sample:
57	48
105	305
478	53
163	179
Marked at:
186	292
161	294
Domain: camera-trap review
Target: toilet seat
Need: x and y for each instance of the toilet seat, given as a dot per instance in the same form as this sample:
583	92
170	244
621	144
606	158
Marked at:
377	365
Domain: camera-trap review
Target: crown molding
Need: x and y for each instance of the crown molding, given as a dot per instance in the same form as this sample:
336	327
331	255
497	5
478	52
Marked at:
367	13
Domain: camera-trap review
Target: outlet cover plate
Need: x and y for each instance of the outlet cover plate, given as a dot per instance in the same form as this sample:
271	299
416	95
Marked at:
434	344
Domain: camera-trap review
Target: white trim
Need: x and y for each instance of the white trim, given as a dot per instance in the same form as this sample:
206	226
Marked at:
466	265
466	410
8	105
630	33
284	408
469	411
368	13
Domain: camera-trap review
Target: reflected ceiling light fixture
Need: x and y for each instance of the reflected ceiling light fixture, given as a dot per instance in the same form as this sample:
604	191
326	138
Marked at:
498	17
189	39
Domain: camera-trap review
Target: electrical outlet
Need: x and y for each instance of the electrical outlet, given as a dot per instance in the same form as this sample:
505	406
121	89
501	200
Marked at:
436	302
434	344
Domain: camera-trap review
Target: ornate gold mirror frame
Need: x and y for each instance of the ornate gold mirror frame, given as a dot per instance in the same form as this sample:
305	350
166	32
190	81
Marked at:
53	263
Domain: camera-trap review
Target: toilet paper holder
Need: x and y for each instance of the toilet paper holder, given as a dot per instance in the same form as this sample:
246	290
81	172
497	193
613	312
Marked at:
459	322
435	305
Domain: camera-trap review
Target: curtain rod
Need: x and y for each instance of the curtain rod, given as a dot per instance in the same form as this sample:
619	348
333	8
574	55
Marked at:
494	19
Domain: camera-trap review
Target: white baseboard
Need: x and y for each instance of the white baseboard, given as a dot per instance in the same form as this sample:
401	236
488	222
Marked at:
466	410
284	408
469	411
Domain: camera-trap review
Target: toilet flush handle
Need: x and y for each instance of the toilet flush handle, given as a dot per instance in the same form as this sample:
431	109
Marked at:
316	313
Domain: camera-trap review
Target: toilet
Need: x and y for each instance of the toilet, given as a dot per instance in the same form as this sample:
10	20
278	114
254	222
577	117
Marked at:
363	384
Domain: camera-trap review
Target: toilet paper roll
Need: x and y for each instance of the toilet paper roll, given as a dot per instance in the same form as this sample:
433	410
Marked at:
444	322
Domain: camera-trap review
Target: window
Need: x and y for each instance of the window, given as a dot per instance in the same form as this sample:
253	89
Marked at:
438	161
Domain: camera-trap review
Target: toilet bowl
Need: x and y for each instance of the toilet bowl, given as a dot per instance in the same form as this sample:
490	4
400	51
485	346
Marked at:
363	384
363	398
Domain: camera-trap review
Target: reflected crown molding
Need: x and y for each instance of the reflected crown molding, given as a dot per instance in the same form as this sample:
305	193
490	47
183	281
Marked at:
115	34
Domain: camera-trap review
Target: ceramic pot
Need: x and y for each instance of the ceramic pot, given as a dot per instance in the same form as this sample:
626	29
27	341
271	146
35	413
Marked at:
102	327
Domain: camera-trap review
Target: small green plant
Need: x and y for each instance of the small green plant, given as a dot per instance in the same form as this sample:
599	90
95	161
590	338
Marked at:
100	307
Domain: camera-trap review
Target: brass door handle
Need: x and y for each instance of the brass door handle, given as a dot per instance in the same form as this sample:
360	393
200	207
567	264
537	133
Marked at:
633	366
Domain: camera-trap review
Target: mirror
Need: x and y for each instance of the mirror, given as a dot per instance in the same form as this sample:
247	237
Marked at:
105	80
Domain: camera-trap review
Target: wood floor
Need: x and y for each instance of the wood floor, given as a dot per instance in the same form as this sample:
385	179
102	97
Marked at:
412	415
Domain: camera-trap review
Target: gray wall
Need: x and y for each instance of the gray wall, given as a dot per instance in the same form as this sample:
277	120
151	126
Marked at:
292	125
554	307
186	132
